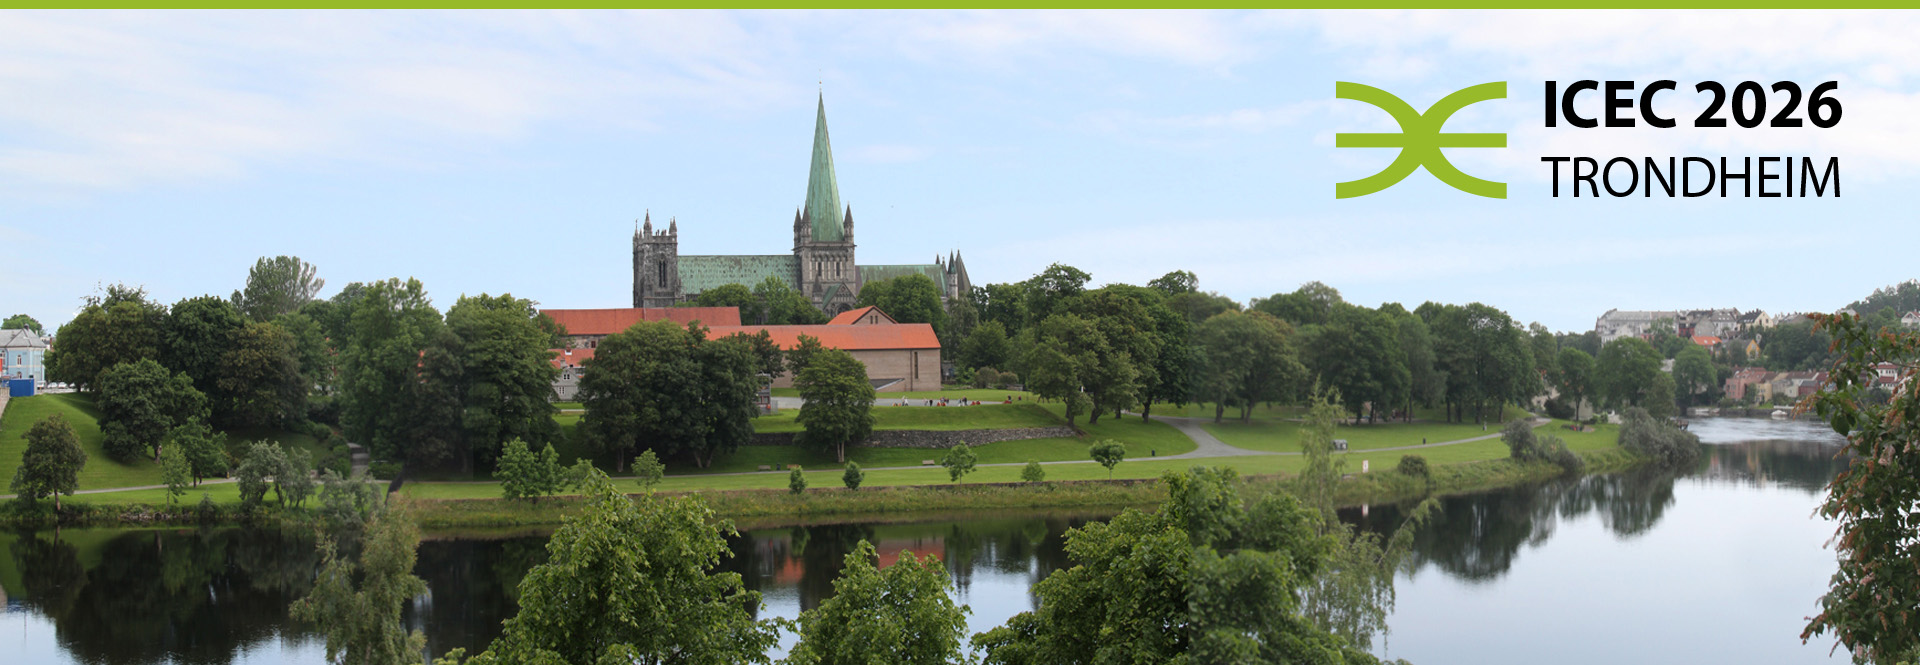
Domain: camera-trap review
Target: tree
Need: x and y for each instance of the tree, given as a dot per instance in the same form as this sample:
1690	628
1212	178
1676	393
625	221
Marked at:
768	359
647	470
505	375
277	285
839	403
1047	293
1693	373
120	327
903	614
205	451
1206	579
525	475
634	581
1108	453
911	298
51	463
637	390
256	472
259	377
796	481
1311	304
726	398
1248	358
1357	353
959	461
1575	376
1175	283
1869	603
176	473
387	403
1081	355
140	403
22	321
802	353
195	340
781	305
1033	472
986	347
1647	433
293	483
853	476
1626	371
358	607
733	295
1485	356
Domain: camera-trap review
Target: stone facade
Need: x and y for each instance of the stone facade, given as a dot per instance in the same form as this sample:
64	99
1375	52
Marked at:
934	439
822	266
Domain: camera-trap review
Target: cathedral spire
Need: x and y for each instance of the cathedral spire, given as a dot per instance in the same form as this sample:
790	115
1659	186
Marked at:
823	190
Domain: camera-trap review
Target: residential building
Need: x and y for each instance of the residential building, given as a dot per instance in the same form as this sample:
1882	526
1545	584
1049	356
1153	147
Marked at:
1748	380
1722	323
23	355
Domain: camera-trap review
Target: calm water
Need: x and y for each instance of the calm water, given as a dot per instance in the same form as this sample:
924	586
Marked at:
1717	565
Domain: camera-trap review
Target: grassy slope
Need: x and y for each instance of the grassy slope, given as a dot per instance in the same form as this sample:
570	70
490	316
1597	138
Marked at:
942	418
102	471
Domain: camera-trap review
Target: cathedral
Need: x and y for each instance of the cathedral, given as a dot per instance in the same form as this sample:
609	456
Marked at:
822	266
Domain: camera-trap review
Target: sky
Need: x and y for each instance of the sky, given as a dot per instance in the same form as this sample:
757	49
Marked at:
513	151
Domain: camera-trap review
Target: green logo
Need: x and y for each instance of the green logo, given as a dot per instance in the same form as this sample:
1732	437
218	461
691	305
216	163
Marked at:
1419	140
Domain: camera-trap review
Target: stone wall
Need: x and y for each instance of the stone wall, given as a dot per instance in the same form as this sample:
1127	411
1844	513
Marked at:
933	439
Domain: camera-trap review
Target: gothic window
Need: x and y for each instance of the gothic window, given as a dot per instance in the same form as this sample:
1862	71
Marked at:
663	273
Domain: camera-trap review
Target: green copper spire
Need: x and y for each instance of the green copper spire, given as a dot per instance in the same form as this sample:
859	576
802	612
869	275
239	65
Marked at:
823	191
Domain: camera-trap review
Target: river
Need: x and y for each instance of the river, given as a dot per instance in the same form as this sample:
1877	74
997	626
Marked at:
1718	564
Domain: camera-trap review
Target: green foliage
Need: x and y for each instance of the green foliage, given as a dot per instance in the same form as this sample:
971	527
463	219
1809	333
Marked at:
1034	473
1648	435
358	607
194	340
51	463
986	346
839	402
1869	605
781	305
634	581
1246	359
347	501
796	481
293	483
175	472
1414	466
23	322
1356	352
662	387
259	377
120	327
1693	374
1206	579
733	295
139	403
902	615
390	407
524	474
853	476
912	298
505	379
257	472
1626	371
1108	453
1524	445
801	355
1485	356
1574	376
768	359
959	461
1175	283
277	285
647	470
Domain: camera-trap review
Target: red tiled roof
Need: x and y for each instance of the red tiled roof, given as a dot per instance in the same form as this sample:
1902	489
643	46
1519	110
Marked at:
1706	340
848	337
574	357
610	321
853	316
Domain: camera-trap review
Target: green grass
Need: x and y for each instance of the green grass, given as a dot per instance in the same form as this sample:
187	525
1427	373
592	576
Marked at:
1284	436
940	418
100	471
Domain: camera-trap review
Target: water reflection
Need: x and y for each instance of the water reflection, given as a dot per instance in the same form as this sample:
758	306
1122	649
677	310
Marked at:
220	596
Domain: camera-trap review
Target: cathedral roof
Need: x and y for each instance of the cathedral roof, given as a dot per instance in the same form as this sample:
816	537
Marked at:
823	190
699	274
932	271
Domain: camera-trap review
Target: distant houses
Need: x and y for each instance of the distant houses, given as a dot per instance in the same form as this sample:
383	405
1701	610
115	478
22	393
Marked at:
1695	323
900	357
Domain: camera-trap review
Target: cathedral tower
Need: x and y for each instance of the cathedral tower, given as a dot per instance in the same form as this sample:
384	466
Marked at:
656	265
823	232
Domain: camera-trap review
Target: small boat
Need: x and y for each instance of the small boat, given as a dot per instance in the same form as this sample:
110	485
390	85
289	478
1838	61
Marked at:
1779	414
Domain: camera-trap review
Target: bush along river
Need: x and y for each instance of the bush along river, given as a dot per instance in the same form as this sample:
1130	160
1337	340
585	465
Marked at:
1719	563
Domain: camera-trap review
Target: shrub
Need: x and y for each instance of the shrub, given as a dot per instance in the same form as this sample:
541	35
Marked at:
796	481
854	476
1033	473
1108	453
647	470
986	377
1641	433
1559	409
1524	445
207	512
1414	465
384	470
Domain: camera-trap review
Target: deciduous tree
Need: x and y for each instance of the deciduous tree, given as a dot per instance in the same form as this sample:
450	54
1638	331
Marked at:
959	461
23	322
51	463
119	327
1108	453
140	403
358	607
903	615
277	285
838	410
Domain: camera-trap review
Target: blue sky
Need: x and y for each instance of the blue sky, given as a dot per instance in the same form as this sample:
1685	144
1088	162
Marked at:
512	151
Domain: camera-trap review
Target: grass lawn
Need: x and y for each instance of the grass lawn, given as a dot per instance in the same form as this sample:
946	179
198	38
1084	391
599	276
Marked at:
100	471
942	418
980	394
1284	436
749	458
